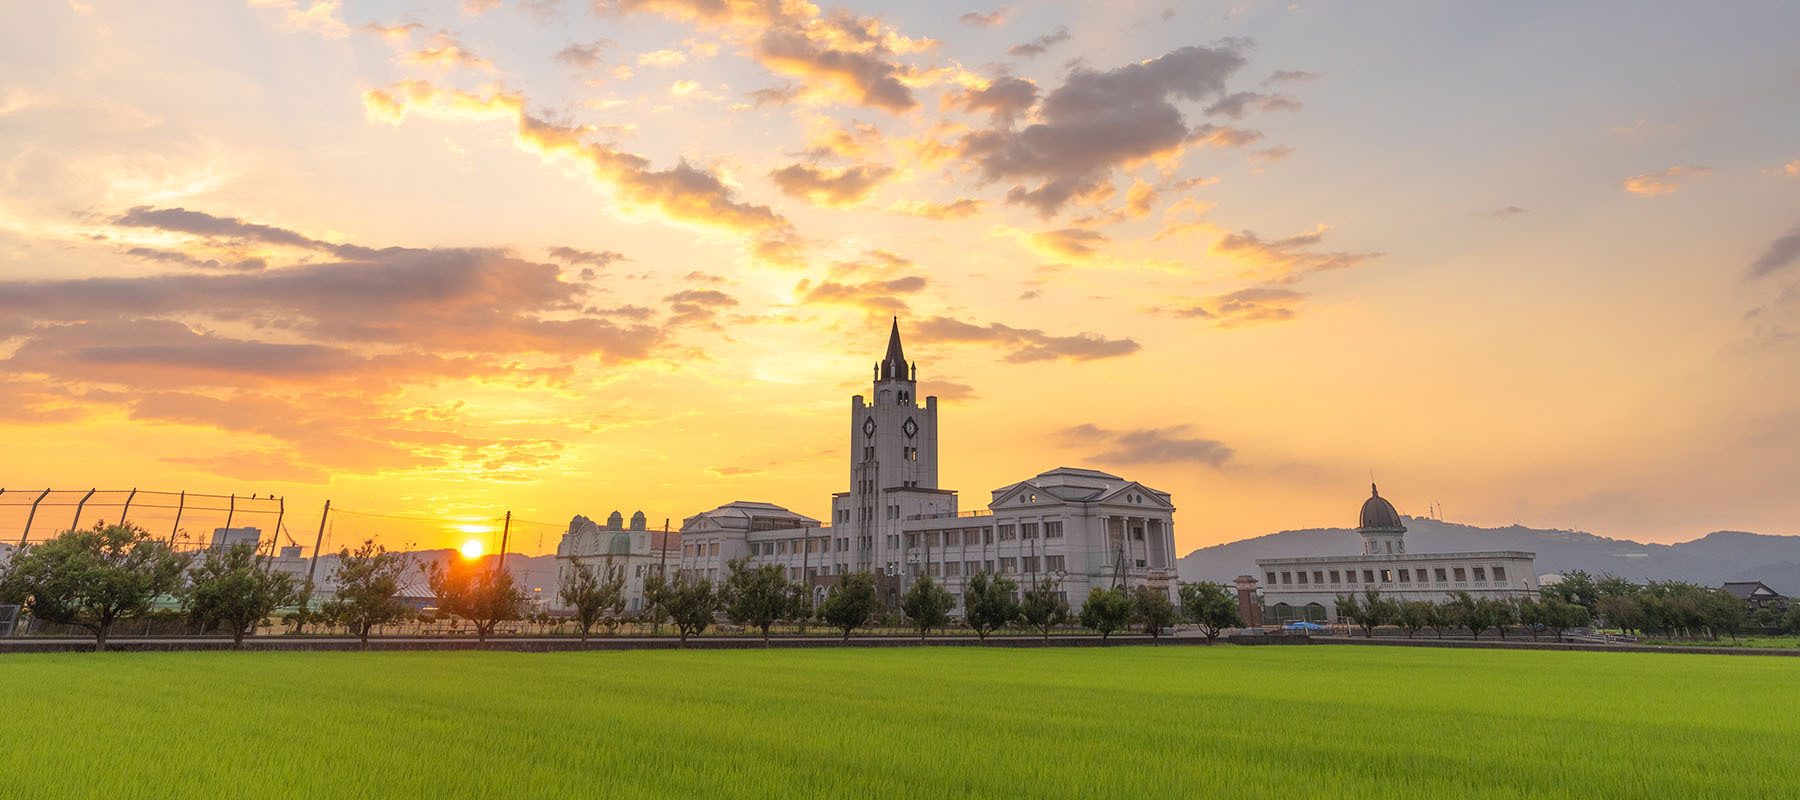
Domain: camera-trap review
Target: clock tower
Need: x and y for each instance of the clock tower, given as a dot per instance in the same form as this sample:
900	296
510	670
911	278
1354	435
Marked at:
893	464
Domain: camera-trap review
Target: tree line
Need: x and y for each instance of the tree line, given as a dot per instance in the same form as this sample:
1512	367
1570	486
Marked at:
99	577
760	597
1462	611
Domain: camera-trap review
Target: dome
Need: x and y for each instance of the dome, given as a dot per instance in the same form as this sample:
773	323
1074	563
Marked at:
615	520
620	545
1378	513
637	521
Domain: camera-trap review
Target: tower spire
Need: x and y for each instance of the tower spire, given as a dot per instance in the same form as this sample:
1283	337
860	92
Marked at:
893	365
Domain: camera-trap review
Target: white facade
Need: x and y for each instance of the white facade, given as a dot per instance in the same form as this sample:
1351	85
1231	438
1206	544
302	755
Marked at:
634	551
1308	588
1081	528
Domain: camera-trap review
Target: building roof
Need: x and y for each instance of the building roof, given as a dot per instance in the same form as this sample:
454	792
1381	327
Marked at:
893	364
1378	513
1744	590
1075	485
747	515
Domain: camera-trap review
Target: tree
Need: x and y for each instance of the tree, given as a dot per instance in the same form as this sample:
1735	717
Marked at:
1560	615
656	600
988	603
927	605
851	605
235	588
1105	611
1153	610
800	606
368	592
1466	612
1723	613
758	596
1043	608
1498	613
484	596
591	595
1530	613
1210	607
692	605
1577	587
1414	616
1371	613
94	578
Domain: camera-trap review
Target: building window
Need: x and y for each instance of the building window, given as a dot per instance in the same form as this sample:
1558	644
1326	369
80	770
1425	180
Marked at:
1334	576
1053	529
931	539
1028	530
1405	576
1006	533
1499	574
1031	564
1368	576
1481	573
1137	533
952	568
912	540
971	567
950	538
713	549
1271	579
932	570
1460	575
987	535
1009	566
1287	577
1053	563
988	565
1440	574
1302	576
1318	577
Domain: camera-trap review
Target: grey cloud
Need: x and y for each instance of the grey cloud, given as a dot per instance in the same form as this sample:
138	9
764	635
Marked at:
988	20
1024	344
584	56
1290	76
830	186
1005	98
596	258
1040	45
1097	121
1151	445
181	220
1782	253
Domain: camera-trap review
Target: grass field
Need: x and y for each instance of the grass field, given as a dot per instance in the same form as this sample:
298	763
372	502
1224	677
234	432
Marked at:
1170	722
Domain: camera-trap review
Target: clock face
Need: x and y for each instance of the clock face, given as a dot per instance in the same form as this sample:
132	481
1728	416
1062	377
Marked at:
869	426
911	428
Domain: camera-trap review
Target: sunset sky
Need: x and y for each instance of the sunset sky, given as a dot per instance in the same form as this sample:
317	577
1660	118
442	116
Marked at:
1536	262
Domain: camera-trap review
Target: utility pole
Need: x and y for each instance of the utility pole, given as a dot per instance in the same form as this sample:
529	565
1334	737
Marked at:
230	511
662	564
317	543
504	532
176	528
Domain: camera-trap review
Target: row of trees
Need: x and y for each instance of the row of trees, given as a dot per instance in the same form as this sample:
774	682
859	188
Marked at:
98	577
1462	611
1664	608
761	597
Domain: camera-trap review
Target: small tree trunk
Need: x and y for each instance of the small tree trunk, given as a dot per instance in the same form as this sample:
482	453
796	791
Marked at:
237	639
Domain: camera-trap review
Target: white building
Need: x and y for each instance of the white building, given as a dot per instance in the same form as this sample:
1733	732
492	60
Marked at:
1081	528
635	552
227	538
1308	588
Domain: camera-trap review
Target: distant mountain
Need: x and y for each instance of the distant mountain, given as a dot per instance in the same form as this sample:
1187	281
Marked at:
1709	560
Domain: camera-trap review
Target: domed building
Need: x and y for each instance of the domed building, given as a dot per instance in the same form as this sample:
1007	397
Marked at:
1307	588
634	551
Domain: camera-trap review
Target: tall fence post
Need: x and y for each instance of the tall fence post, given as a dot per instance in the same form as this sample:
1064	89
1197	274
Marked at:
32	516
230	511
126	511
76	525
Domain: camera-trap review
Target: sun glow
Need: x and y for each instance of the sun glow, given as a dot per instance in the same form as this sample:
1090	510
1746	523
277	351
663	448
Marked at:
471	549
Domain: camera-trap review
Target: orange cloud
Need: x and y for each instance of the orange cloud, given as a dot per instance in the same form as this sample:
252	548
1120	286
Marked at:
830	187
960	208
1665	182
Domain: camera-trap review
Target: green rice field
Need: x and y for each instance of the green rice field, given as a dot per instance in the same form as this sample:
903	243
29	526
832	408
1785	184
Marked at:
1167	722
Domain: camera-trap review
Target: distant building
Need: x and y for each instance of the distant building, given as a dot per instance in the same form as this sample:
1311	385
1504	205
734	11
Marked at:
1756	596
226	538
1308	588
1079	528
634	551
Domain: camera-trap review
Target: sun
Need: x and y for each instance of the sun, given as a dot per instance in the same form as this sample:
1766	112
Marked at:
471	549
